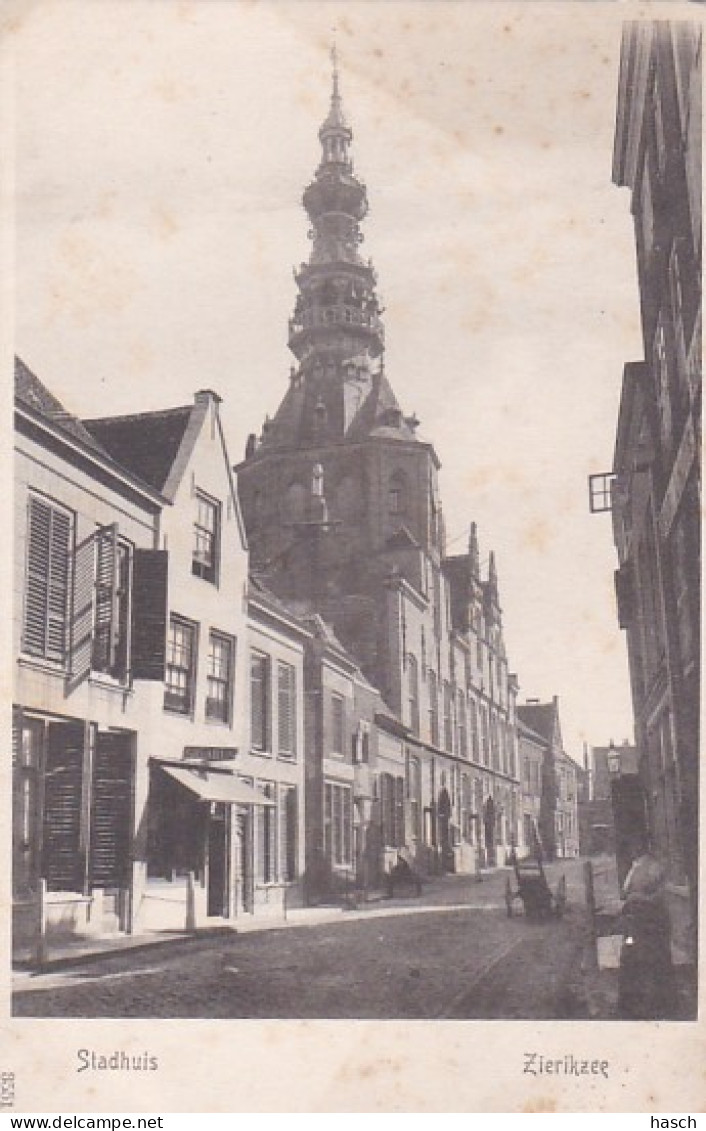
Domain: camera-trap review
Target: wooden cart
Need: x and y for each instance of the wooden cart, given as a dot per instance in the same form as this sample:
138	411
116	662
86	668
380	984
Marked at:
533	890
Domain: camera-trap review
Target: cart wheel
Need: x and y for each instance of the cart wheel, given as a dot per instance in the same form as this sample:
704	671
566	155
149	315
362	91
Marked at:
508	897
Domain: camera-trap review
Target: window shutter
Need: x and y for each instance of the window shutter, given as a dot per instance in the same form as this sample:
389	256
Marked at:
259	701
106	592
285	708
149	614
625	594
48	535
62	851
111	811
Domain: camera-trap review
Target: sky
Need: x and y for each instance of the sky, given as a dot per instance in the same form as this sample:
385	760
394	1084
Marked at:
161	153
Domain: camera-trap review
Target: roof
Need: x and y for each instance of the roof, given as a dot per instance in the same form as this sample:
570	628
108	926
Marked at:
539	717
527	732
30	392
145	443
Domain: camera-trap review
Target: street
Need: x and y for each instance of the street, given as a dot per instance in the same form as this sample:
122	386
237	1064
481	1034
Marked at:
451	954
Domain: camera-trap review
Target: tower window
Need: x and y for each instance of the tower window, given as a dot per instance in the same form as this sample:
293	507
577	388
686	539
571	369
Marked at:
397	494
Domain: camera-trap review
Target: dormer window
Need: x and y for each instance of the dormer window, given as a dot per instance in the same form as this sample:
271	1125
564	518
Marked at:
206	538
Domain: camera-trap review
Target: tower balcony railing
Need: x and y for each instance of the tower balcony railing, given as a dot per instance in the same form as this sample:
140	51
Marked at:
335	316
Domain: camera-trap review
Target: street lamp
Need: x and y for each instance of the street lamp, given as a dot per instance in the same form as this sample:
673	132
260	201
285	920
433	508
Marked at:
613	758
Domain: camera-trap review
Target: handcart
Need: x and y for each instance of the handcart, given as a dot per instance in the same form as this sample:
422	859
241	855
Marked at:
537	898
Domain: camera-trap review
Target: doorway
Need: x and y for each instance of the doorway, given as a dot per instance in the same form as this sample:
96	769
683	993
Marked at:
217	900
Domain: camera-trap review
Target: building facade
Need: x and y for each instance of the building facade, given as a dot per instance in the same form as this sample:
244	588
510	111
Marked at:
85	531
555	806
152	787
656	495
341	503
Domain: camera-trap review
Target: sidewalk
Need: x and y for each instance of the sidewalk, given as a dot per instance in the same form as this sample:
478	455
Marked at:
447	892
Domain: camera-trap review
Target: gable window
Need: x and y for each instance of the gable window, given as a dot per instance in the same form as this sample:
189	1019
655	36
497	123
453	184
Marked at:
110	652
219	677
181	666
259	701
337	724
46	580
204	561
286	710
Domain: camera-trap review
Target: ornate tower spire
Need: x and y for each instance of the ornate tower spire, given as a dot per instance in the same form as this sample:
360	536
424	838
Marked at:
336	331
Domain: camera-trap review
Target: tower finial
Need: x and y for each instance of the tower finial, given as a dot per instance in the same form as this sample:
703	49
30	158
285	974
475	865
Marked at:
474	552
334	65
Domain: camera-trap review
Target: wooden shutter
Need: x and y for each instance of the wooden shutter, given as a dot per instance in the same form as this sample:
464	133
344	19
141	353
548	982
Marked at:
625	594
285	708
149	614
106	596
62	848
259	701
111	811
46	592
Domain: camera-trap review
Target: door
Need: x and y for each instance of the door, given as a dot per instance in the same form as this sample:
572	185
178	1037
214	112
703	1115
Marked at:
217	862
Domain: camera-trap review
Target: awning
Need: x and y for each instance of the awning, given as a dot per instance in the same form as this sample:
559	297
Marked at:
209	785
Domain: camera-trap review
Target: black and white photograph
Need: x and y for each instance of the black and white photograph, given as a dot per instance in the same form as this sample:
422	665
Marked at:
356	531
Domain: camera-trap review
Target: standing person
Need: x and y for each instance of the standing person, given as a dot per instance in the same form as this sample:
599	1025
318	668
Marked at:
646	982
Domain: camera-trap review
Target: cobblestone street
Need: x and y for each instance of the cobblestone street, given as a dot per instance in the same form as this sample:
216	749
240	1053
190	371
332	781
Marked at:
454	953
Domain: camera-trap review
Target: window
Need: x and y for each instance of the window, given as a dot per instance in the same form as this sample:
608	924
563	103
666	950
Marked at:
647	210
206	534
392	810
484	733
266	853
286	710
474	729
433	708
397	495
181	666
448	717
219	678
413	676
46	580
337	823
663	378
365	743
414	793
288	833
111	622
600	492
337	724
259	701
462	731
